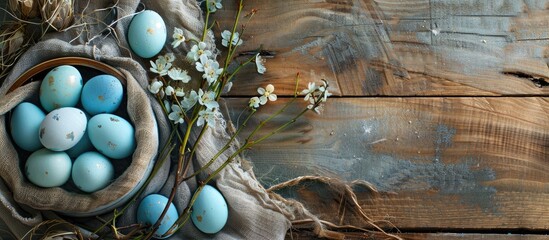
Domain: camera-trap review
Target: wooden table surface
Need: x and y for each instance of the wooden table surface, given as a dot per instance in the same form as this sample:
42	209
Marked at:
441	105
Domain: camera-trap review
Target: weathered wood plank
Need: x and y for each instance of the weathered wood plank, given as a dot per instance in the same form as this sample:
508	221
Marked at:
457	236
300	235
402	48
439	163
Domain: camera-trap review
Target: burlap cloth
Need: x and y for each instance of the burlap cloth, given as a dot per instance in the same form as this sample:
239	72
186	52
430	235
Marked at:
253	212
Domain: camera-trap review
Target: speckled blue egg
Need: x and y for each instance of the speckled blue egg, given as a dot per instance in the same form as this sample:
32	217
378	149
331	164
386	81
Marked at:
147	34
92	171
61	88
210	211
84	145
24	126
111	135
151	208
62	128
46	168
102	94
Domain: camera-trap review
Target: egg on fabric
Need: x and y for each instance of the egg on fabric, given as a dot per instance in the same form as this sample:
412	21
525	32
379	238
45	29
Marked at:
111	135
46	168
61	88
92	171
102	94
210	212
150	209
24	126
62	128
147	34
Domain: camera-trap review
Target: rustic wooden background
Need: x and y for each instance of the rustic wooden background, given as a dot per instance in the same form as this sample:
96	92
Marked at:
442	105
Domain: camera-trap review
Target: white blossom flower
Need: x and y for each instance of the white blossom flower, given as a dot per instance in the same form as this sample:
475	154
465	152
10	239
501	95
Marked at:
169	57
260	64
214	5
176	115
204	63
254	102
155	87
311	88
169	90
324	89
226	35
179	92
207	99
161	66
266	94
190	100
178	37
211	117
212	72
179	75
199	50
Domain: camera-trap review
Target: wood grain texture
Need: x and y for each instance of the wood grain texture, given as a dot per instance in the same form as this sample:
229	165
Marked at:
399	47
296	235
438	163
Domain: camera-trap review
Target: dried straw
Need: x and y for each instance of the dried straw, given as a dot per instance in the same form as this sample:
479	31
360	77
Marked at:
24	9
12	45
59	14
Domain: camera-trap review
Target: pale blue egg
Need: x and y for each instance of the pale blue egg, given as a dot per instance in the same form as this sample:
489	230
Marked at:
147	34
25	124
102	94
61	88
210	211
46	168
62	128
92	171
151	208
111	135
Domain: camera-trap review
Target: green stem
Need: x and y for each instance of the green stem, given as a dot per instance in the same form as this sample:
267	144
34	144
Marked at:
222	150
293	120
262	123
178	176
229	56
206	21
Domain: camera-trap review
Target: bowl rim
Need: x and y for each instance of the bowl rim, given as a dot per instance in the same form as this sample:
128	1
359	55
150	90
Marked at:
73	61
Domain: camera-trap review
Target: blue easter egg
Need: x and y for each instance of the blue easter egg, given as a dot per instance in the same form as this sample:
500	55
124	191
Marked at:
102	94
210	211
61	88
151	208
111	135
92	171
47	168
147	34
25	125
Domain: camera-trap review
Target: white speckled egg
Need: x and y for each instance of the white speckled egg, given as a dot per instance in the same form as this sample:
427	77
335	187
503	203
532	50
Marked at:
24	126
151	208
61	88
210	210
92	171
147	34
46	168
102	94
111	135
62	128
